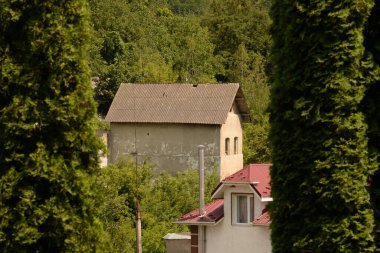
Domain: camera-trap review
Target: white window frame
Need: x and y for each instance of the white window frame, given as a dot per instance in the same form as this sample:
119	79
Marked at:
250	208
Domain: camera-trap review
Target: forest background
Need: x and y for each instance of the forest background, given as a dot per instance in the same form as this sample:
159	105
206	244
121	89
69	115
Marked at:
175	41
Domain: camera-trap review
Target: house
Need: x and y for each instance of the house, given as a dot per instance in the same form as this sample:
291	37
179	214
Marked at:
237	219
165	123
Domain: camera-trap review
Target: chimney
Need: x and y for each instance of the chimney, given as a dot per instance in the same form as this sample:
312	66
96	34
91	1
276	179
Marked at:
202	211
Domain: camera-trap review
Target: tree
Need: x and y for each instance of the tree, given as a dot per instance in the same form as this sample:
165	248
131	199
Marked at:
170	197
240	33
249	70
123	186
372	107
49	149
318	132
163	198
233	23
193	60
189	7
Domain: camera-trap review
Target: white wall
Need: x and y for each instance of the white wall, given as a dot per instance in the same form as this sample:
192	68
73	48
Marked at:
226	237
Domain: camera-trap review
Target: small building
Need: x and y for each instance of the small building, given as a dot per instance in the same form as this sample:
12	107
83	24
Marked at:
164	123
237	220
177	243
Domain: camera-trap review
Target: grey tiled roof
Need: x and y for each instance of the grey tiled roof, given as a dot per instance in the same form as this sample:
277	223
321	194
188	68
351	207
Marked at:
176	103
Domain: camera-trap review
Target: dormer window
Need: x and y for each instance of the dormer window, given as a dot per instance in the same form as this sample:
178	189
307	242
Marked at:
242	208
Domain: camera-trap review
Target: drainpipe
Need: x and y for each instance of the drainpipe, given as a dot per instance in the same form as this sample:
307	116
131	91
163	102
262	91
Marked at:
202	211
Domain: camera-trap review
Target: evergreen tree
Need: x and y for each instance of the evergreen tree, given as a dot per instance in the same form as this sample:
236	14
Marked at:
372	107
320	154
47	117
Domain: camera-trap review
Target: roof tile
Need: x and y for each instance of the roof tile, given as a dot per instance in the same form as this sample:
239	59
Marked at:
214	212
263	219
176	103
256	174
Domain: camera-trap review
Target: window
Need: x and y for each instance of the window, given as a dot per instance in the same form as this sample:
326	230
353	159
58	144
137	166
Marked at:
227	146
243	208
235	145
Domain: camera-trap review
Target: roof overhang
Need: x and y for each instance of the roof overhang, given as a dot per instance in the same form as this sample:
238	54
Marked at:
200	223
219	190
242	106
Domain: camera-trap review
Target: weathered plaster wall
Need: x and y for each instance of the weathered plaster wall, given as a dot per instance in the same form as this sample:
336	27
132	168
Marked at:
231	162
226	237
170	147
177	243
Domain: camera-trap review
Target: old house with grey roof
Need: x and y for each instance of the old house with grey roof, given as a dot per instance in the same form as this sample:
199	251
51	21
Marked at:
164	123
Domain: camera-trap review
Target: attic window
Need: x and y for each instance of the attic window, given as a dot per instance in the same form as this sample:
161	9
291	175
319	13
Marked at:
227	146
236	145
242	208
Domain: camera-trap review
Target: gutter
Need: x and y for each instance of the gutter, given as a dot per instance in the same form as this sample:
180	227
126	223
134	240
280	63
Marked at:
201	223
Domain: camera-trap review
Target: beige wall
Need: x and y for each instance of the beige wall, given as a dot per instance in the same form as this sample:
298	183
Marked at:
103	159
231	129
226	237
170	147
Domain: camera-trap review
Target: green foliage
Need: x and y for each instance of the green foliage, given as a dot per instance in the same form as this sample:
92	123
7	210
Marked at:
233	23
113	48
320	154
256	146
49	149
372	107
189	7
121	186
193	60
144	42
163	199
240	32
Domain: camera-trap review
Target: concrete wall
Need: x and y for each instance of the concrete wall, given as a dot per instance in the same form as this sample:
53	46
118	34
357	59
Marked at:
177	243
226	237
170	147
231	162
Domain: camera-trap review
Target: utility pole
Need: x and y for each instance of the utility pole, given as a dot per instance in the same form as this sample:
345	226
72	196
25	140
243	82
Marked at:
138	209
138	227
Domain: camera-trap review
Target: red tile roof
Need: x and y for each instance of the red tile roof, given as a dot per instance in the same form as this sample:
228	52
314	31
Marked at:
214	213
263	219
255	174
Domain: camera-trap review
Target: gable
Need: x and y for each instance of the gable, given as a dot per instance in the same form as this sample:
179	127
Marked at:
176	103
255	175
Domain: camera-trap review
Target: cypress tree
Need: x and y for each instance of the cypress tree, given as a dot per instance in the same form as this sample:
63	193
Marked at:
48	146
371	106
318	132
